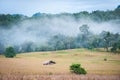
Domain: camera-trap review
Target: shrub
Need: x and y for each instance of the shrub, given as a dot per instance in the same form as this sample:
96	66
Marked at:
10	52
50	73
77	69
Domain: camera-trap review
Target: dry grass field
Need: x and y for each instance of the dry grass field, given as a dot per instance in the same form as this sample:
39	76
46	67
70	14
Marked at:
28	66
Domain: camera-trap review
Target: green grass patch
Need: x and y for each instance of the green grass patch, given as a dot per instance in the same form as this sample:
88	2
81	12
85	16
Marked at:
79	50
44	54
115	61
106	56
63	52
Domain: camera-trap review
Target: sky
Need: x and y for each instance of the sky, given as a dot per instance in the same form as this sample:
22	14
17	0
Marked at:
30	7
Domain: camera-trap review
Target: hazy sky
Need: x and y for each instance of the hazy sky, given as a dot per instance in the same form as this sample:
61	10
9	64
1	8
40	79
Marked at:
29	7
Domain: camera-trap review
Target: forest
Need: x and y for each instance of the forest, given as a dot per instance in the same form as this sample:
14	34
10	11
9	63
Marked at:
51	32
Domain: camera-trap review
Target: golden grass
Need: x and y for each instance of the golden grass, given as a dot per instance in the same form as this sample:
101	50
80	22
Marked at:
59	77
31	63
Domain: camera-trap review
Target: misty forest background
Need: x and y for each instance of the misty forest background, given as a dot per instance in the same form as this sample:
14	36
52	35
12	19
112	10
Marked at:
49	32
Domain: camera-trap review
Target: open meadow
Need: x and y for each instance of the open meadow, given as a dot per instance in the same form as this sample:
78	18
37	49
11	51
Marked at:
32	64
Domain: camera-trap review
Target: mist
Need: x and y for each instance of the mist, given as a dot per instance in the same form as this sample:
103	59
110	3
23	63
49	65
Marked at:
40	30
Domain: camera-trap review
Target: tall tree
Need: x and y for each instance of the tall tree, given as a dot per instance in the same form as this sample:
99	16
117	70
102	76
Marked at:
107	40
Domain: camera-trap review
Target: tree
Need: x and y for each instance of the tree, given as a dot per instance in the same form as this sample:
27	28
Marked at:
107	40
117	12
115	46
84	29
7	20
27	47
1	48
57	42
84	35
119	44
10	52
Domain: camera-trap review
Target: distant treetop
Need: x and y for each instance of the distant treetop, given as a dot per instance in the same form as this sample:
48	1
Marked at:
118	7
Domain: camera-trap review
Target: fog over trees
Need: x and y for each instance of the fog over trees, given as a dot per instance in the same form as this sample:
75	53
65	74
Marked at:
46	32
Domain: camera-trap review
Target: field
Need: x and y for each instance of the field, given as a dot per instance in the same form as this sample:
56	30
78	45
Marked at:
30	64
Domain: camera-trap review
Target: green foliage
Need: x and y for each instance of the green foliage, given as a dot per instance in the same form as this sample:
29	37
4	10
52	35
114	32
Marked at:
10	52
115	46
107	40
84	29
6	20
85	38
50	73
119	44
77	69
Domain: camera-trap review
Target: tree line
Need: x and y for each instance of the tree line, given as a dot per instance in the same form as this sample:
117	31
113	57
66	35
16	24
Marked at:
6	20
85	39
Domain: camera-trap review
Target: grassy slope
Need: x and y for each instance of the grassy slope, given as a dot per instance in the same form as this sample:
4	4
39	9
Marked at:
31	63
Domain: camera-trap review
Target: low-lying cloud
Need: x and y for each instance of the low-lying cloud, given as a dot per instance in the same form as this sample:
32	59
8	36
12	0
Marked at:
40	30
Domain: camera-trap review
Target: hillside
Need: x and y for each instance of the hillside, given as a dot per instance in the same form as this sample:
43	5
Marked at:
50	32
